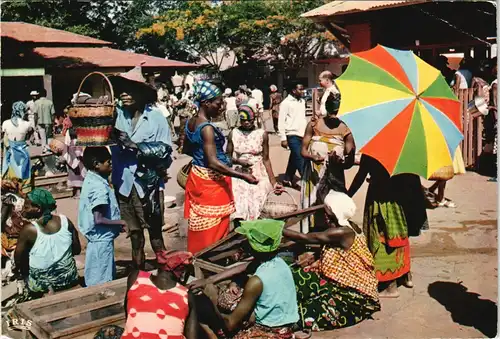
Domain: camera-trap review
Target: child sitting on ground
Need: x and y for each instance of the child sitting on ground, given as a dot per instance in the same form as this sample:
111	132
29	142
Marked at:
99	217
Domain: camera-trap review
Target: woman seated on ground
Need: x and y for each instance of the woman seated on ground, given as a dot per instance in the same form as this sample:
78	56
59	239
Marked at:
46	246
340	289
269	294
12	223
169	310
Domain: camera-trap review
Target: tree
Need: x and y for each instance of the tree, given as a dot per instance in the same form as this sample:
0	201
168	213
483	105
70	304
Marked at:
194	27
65	14
116	21
253	29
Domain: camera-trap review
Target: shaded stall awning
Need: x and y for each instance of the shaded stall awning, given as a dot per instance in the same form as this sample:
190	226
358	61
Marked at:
104	57
348	7
40	35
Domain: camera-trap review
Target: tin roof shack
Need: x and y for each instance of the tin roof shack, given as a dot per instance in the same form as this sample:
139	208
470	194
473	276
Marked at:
429	28
425	26
35	57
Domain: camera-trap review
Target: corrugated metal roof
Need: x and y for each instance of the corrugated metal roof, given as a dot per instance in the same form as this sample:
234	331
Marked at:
25	32
345	7
104	57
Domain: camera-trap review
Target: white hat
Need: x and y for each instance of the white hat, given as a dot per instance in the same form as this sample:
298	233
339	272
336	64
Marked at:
342	206
34	93
228	91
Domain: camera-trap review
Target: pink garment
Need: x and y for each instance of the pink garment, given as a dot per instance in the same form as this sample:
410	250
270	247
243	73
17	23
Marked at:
249	199
155	313
72	155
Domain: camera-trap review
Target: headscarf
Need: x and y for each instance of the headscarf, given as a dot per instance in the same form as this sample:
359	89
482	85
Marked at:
203	90
176	261
246	112
43	198
18	111
264	235
273	88
341	205
332	103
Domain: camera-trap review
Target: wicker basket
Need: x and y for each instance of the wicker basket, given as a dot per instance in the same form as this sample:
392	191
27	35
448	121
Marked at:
444	173
183	174
272	209
93	123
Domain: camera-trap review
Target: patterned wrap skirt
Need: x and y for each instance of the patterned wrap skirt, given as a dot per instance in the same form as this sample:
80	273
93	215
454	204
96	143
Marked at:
386	229
208	207
326	305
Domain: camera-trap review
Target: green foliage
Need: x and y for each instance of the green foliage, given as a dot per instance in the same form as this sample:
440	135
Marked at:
64	14
111	20
253	29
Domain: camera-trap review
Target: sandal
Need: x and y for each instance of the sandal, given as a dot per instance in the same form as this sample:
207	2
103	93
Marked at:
447	203
304	334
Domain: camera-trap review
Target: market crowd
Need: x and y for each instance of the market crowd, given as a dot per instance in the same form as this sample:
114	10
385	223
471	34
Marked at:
228	180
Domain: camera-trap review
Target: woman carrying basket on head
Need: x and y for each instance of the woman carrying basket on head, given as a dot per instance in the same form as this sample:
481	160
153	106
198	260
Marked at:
251	150
209	196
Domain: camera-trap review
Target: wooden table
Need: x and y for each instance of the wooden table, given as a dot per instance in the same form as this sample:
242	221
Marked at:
77	313
212	259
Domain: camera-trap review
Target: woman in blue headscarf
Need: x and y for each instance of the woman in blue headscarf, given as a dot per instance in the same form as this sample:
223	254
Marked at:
209	197
16	162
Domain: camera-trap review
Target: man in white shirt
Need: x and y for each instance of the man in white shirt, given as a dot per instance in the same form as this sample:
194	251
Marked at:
259	99
292	124
326	80
231	109
32	118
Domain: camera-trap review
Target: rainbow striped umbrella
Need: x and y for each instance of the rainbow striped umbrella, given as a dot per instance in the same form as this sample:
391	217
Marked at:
400	110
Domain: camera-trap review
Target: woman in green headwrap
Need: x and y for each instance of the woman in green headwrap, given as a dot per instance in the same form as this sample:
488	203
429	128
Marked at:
269	294
46	246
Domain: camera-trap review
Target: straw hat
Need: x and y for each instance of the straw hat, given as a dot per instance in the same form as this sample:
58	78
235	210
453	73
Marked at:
134	77
34	93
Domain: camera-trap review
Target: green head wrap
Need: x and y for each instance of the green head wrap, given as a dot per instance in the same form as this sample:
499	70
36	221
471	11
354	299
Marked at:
43	198
264	235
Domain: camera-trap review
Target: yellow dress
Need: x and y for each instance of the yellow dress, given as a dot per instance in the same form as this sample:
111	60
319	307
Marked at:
458	162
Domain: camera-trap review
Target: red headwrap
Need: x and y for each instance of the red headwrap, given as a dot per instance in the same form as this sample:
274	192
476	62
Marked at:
176	260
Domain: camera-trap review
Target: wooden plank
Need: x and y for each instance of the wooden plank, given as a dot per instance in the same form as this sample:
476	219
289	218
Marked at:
90	327
41	330
465	126
218	243
223	255
75	294
214	268
85	308
49	181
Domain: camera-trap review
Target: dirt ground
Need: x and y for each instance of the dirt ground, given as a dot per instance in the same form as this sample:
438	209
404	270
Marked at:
454	264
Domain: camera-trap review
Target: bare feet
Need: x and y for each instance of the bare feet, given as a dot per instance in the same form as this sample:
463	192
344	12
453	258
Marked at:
390	292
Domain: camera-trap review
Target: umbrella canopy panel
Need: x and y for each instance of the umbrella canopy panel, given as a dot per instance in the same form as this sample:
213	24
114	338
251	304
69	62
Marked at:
401	111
